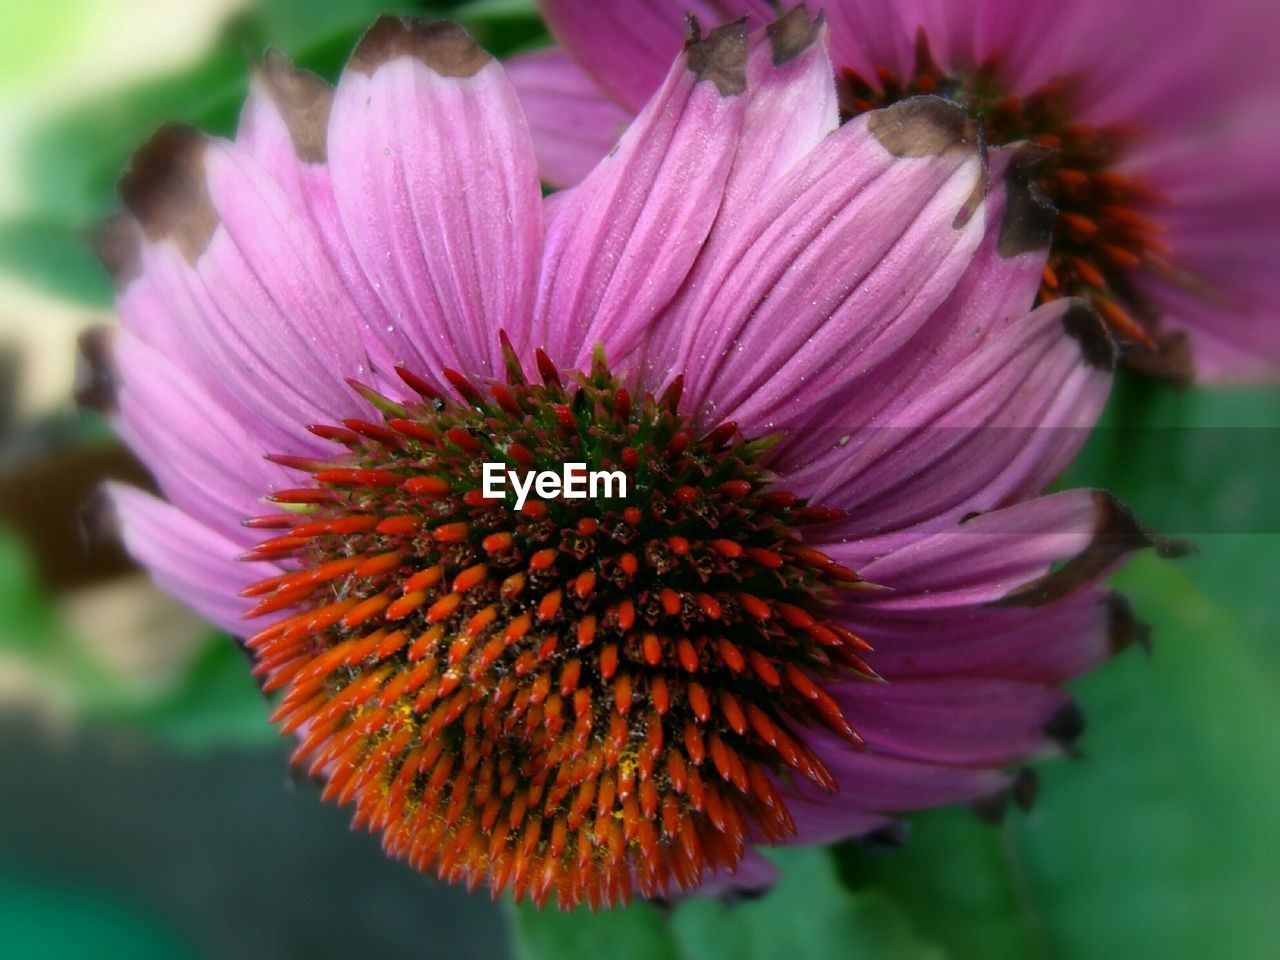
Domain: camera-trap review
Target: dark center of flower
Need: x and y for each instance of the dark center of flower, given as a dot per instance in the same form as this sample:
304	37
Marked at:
582	696
1103	231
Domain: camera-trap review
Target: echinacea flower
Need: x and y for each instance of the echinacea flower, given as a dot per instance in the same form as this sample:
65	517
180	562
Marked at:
831	593
1158	126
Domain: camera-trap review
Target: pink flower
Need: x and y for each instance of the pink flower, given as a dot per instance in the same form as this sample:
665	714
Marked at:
800	342
1160	126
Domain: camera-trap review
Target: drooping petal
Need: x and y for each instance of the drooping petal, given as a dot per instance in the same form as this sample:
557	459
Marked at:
232	271
871	36
572	121
828	818
436	185
141	308
996	290
284	125
1223	285
955	721
624	240
997	427
1033	43
845	256
191	444
1050	644
754	875
791	108
627	46
870	782
1031	553
186	558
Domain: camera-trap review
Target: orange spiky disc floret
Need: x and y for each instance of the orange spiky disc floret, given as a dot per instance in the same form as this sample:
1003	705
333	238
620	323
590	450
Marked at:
581	698
1104	229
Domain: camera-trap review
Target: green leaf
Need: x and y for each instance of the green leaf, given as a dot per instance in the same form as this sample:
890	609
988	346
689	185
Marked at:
56	258
33	635
216	704
52	921
38	38
1190	462
1201	464
808	915
1160	843
71	165
638	932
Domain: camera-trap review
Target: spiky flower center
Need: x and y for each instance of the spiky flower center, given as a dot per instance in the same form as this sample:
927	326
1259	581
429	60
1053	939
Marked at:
1104	229
581	697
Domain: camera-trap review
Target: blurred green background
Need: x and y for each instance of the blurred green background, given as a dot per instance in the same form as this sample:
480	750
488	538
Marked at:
145	805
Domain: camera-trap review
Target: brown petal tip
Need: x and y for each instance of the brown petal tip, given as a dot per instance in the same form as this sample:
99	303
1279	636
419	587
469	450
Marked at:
890	838
1025	789
1066	726
1170	359
1124	629
792	34
440	44
95	383
118	244
1082	324
923	127
720	56
304	101
1116	533
1029	216
164	188
1022	790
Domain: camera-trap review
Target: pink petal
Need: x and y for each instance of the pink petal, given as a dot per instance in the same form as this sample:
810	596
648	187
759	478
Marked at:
627	45
624	240
845	256
247	295
1226	292
572	121
998	426
1035	42
1237	341
186	558
829	818
1006	556
870	782
871	35
436	184
1050	644
995	291
195	449
284	125
754	875
791	108
958	721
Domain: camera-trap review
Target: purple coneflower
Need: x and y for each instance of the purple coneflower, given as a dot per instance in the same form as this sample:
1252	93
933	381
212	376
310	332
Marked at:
1157	124
794	338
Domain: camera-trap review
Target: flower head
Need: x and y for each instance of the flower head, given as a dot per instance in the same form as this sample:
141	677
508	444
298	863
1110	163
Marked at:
801	344
1152	138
